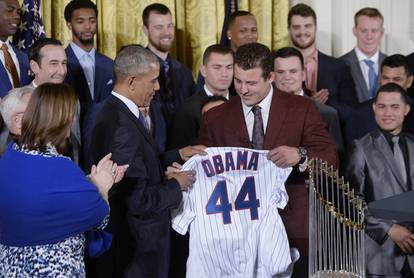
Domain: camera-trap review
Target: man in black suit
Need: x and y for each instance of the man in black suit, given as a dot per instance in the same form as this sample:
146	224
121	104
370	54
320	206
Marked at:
394	69
175	79
328	79
217	70
140	204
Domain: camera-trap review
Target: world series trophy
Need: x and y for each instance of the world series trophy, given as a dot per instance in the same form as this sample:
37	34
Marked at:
336	225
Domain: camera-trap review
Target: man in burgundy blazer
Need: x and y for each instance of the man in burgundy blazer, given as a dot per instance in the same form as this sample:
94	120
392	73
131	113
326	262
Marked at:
290	124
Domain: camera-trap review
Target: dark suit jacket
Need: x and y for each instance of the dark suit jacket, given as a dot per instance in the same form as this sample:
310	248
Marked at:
5	84
140	203
360	85
104	82
335	75
410	58
186	121
374	175
293	121
182	87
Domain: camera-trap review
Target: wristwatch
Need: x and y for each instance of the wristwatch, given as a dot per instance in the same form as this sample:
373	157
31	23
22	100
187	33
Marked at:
303	154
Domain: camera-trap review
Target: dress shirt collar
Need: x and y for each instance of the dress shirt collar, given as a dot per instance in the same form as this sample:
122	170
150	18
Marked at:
264	104
129	103
79	52
361	56
210	94
7	42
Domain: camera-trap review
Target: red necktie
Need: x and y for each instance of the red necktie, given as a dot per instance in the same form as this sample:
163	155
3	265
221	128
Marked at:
10	66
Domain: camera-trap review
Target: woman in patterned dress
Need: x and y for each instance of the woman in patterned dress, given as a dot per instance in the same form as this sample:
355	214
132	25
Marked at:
46	201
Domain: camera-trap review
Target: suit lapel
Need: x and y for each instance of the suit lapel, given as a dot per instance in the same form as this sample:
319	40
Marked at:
410	147
124	109
236	125
20	59
79	76
383	147
277	115
358	77
99	75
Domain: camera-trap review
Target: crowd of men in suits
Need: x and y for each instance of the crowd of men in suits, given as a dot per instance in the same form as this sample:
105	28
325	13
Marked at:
296	102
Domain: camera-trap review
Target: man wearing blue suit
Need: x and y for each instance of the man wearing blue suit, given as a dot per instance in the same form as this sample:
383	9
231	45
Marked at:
327	78
14	64
175	79
89	72
365	59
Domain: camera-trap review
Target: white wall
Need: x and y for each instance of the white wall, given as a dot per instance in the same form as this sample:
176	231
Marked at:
336	19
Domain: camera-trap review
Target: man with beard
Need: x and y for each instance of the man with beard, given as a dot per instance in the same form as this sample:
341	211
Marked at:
176	80
14	65
329	79
89	72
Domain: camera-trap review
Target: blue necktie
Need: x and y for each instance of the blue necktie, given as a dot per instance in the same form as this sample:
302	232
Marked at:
142	120
372	78
89	71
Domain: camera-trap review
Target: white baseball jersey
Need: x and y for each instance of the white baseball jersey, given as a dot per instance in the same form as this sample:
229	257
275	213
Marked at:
232	214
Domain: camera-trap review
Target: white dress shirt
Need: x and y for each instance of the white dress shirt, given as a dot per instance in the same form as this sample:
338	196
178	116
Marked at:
265	109
14	58
87	62
129	103
364	67
210	94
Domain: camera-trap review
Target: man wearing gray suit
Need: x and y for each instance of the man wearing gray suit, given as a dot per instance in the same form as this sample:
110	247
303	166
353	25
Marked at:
365	59
380	166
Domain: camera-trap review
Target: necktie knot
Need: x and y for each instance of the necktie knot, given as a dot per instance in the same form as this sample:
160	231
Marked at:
256	109
369	63
166	67
4	47
395	139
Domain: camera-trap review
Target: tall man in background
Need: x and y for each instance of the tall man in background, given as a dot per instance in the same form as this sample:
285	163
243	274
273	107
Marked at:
365	59
175	80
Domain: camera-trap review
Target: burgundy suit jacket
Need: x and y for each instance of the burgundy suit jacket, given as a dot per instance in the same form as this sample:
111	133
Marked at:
293	121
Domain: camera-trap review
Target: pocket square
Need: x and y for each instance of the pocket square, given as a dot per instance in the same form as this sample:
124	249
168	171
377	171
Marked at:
109	82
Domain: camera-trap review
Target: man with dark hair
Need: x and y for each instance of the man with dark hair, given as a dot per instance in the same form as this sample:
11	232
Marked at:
379	167
394	69
90	73
48	63
175	79
287	125
14	65
217	70
328	79
140	204
289	76
365	59
242	29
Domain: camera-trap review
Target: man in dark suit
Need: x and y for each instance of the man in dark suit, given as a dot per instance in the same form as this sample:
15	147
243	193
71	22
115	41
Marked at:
14	64
380	166
89	72
140	204
328	79
287	125
365	59
410	58
175	79
289	76
394	69
217	70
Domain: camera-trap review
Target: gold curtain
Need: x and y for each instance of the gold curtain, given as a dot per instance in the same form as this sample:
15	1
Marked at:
198	24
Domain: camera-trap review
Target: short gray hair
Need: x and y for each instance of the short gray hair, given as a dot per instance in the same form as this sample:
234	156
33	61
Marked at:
10	103
133	60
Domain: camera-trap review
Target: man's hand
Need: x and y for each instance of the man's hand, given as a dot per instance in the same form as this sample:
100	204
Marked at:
173	169
321	96
187	152
184	178
402	237
284	156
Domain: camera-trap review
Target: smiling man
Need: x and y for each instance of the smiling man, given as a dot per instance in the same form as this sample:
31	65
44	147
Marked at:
175	80
288	126
379	167
14	65
365	59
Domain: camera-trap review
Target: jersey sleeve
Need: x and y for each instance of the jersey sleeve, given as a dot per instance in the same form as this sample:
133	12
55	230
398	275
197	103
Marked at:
279	194
184	214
